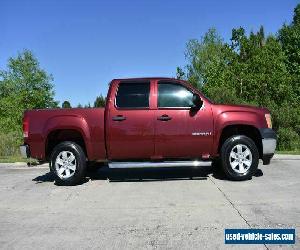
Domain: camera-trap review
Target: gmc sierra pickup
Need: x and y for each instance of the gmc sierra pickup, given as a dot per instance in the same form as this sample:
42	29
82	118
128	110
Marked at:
149	122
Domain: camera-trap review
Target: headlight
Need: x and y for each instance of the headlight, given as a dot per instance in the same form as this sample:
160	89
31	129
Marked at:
268	120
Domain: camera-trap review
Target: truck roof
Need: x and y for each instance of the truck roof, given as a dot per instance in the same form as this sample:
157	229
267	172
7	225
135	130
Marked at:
144	78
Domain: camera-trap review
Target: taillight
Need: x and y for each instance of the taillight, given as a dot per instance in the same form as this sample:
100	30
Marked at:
25	126
268	120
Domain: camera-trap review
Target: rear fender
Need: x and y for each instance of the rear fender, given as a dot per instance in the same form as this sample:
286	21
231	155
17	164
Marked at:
73	122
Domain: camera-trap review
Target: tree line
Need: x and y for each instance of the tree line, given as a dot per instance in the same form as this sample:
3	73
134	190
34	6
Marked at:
252	69
255	68
98	103
25	85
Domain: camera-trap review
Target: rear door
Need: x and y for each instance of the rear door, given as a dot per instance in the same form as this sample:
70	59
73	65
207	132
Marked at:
181	132
130	121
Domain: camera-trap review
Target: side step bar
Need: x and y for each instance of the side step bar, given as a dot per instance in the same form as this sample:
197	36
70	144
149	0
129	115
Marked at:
158	164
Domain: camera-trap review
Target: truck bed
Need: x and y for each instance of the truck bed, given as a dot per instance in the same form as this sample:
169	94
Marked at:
89	122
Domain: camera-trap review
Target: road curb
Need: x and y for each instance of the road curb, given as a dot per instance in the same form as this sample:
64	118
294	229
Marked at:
286	157
23	165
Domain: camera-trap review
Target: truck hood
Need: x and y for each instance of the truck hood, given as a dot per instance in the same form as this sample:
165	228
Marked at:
220	108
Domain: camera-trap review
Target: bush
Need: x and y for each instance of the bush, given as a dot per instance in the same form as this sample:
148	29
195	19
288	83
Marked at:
9	143
288	139
221	94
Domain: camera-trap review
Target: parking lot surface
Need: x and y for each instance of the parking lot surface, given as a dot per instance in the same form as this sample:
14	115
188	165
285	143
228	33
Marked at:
165	208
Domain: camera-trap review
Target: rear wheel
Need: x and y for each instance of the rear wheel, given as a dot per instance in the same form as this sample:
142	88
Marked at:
239	157
68	163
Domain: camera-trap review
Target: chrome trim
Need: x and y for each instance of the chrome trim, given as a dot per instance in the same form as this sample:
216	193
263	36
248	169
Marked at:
240	158
202	133
24	149
269	146
158	164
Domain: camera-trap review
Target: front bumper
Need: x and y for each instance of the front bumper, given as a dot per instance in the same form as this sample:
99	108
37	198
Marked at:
269	141
25	152
269	146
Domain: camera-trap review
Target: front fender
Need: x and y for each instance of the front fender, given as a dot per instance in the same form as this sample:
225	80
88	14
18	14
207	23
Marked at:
229	118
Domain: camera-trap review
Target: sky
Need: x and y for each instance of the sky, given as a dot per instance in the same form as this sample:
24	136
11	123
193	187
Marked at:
85	44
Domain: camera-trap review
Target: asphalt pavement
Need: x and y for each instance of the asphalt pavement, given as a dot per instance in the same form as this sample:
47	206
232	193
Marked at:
165	208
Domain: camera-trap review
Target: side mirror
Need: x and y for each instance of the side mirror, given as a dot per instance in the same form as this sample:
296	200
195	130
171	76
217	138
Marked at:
197	102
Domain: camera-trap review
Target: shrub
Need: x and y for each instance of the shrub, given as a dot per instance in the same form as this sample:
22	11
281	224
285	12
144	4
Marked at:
9	143
288	139
221	94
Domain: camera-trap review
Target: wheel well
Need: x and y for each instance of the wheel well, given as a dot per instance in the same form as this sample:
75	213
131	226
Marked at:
61	135
247	130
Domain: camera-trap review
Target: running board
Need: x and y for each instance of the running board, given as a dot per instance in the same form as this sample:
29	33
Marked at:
158	164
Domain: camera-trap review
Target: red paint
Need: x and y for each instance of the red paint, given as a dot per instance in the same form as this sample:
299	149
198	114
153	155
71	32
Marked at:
189	134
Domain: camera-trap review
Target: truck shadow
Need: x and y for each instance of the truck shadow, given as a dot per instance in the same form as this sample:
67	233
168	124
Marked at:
146	174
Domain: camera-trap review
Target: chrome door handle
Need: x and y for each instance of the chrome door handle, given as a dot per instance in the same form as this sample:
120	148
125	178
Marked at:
119	118
164	118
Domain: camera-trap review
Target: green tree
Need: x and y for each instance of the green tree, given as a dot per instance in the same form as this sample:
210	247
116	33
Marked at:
289	37
66	105
87	106
240	71
258	66
100	101
23	85
180	73
251	69
209	67
205	58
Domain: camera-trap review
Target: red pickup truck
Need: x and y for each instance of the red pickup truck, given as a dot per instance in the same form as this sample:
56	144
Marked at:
150	122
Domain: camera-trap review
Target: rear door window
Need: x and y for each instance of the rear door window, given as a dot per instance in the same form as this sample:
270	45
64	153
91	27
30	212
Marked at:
133	95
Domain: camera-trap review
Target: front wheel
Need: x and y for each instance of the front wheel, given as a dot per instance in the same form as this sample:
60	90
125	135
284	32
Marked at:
240	157
68	163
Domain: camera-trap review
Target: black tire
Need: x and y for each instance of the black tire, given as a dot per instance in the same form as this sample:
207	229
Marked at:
231	144
79	162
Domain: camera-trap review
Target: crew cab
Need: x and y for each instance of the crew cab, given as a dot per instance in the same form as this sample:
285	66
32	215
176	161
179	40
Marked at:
150	122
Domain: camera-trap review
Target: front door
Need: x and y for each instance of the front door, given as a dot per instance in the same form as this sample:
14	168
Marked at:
130	122
181	132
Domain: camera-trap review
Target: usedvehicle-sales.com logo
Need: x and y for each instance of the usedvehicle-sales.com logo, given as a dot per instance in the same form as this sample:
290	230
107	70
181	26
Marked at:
259	236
